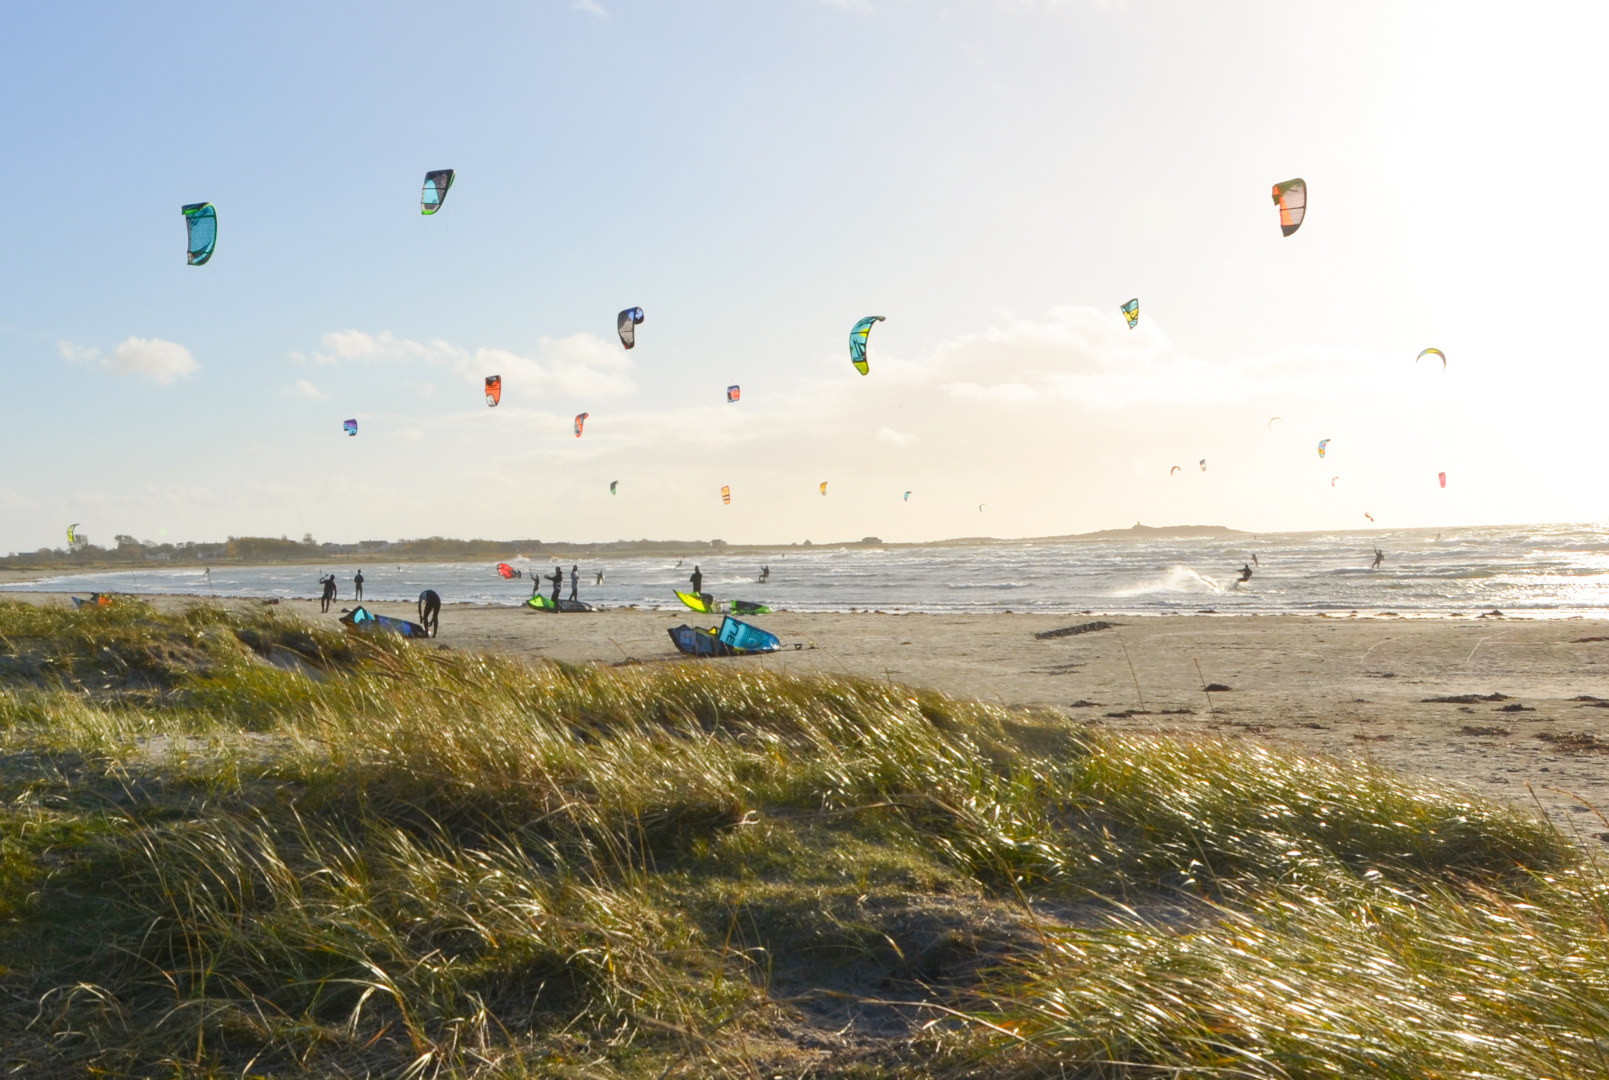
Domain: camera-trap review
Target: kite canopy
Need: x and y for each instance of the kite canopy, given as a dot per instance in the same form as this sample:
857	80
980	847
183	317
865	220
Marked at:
72	537
1442	477
1291	198
1368	515
1271	420
1322	443
435	191
351	426
508	572
857	341
1203	464
1333	479
1432	352
494	390
1173	470
726	494
580	421
627	322
612	485
733	393
907	496
201	221
1131	311
824	487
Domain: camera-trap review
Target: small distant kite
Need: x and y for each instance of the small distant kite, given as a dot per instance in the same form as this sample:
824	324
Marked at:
626	324
726	494
907	496
350	426
508	572
1173	470
1322	443
494	390
612	485
1203	464
857	342
981	506
1291	198
580	422
1271	420
1333	479
1432	352
434	194
1442	478
73	537
733	393
1131	312
824	487
201	225
1368	515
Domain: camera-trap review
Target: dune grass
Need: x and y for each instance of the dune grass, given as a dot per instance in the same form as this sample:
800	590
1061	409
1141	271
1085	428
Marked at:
234	845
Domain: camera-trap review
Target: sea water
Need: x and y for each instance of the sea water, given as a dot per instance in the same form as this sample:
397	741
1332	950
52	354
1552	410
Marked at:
1552	570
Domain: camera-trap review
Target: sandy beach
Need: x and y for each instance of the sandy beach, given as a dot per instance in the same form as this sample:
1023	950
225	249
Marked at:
1528	726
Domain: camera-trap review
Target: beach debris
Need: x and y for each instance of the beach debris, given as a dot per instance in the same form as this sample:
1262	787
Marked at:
494	390
1291	198
1463	699
201	227
1131	312
1482	730
1578	741
350	427
1082	704
580	422
857	342
1516	707
626	324
1217	688
437	181
1069	631
1432	352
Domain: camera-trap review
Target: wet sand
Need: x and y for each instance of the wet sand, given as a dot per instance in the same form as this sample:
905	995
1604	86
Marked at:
1351	687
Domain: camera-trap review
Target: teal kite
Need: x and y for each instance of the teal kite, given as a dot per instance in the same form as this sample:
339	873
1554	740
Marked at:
437	182
1131	312
857	342
201	221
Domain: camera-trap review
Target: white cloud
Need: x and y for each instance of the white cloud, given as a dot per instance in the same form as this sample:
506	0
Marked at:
308	390
578	364
150	358
898	438
591	7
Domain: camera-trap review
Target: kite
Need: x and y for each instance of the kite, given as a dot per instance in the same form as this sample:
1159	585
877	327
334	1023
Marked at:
1173	470
1322	443
824	487
733	393
612	485
1333	479
1203	464
508	572
1271	420
435	191
494	390
1432	352
350	426
1368	515
201	222
1131	312
981	506
580	421
626	323
1291	198
726	494
907	496
72	537
857	341
1443	478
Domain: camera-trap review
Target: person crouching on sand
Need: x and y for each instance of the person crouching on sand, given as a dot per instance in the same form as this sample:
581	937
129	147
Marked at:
430	612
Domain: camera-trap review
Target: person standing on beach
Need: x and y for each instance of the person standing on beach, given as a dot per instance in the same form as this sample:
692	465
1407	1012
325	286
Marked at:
698	581
557	577
575	582
430	612
1379	557
329	593
357	586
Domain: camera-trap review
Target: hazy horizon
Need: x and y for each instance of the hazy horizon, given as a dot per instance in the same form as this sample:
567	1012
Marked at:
994	176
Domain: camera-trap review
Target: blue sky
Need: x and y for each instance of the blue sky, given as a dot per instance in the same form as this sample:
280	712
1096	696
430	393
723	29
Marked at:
994	177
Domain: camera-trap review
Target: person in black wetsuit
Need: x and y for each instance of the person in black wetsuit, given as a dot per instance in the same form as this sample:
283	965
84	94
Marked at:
600	578
575	582
765	574
557	577
698	581
1245	572
328	598
357	586
1379	557
430	611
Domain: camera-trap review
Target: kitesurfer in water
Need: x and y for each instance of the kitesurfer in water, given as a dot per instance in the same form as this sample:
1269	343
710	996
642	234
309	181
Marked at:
357	586
765	574
600	578
1379	557
430	611
1245	572
575	581
1254	561
698	581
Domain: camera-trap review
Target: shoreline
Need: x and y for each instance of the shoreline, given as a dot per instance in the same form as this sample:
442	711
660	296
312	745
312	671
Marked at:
1522	716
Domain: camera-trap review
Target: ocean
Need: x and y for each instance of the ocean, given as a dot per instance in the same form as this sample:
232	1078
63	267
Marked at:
1538	570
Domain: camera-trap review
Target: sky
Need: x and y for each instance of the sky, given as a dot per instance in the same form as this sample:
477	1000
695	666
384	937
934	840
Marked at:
995	177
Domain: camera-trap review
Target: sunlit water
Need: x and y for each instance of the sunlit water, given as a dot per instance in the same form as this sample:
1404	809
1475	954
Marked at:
1538	570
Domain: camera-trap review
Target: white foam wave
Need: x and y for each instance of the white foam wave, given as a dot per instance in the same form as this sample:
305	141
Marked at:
1176	579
